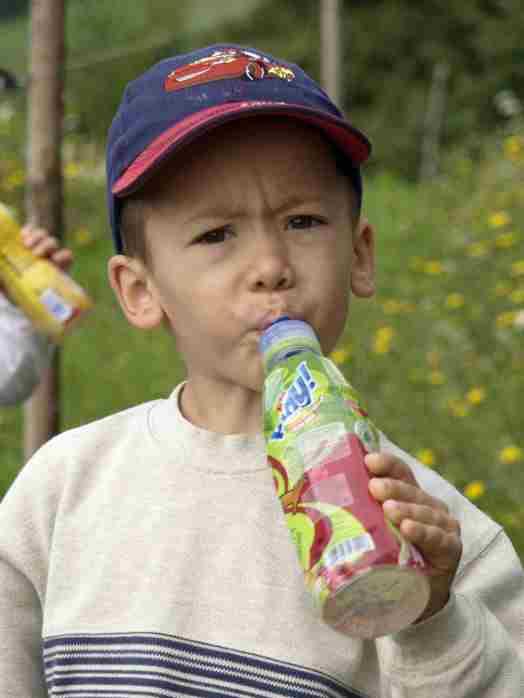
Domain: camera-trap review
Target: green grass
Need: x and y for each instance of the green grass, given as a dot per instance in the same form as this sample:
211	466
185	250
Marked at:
437	354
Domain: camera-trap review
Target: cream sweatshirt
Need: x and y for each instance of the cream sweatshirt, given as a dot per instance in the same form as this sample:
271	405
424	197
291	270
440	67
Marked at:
142	556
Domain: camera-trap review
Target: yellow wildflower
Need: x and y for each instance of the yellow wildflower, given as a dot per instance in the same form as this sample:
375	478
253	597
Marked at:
476	395
83	237
506	319
478	249
392	307
382	340
426	456
455	300
14	180
514	147
499	219
72	170
458	408
517	268
339	356
510	454
437	378
433	267
475	489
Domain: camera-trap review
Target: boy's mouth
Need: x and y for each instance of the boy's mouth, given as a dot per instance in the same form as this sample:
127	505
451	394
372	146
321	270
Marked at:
269	317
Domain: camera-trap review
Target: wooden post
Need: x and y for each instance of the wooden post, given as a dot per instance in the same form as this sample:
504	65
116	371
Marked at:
433	122
330	48
44	182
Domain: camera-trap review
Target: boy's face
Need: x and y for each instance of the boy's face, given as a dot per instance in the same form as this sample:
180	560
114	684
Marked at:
251	223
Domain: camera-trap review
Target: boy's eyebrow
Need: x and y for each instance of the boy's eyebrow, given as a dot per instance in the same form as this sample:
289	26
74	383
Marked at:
222	210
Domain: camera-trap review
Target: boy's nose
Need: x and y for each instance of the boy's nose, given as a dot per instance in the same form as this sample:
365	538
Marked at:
271	269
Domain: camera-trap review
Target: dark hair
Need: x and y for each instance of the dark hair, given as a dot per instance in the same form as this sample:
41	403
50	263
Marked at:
133	225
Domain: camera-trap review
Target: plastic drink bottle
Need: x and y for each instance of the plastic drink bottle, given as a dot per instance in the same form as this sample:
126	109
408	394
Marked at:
366	580
49	297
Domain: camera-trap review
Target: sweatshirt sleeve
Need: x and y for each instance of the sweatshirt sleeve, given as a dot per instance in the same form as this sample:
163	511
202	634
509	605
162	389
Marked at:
475	645
24	354
26	524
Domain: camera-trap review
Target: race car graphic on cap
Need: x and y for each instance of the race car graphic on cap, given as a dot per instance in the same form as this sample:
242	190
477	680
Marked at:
223	65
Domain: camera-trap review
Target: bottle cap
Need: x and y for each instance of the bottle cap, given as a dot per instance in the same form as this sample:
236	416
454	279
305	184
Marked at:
285	337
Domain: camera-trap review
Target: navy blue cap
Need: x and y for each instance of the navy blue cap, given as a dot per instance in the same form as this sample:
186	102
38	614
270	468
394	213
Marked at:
180	98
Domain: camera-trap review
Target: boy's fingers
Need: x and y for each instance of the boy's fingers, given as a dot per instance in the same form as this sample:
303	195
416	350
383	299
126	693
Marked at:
384	488
423	514
441	548
382	464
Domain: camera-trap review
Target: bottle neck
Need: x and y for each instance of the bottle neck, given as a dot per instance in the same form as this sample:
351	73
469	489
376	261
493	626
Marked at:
285	338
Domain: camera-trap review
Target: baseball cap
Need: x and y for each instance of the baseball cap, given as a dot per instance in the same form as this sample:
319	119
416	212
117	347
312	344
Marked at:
181	98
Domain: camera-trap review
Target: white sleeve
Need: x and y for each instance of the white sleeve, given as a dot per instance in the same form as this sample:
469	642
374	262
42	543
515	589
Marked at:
24	354
27	515
475	645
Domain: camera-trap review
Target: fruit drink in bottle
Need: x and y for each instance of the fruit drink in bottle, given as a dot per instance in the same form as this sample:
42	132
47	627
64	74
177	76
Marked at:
366	580
49	297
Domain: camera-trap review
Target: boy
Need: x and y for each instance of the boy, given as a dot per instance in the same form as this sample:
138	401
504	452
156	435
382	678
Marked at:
24	353
148	549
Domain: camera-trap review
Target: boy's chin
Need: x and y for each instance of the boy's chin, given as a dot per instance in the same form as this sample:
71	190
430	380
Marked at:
256	385
255	381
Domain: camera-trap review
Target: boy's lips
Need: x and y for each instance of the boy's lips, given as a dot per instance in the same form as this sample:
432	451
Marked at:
269	317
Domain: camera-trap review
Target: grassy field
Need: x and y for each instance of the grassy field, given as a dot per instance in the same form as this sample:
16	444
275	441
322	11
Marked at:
437	354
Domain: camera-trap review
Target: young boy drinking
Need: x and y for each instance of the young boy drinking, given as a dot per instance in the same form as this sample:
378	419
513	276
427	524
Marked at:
146	553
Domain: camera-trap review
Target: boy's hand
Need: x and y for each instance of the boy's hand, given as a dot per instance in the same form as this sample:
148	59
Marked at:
423	520
41	243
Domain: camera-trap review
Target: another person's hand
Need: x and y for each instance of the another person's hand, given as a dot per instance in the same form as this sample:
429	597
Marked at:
423	520
41	243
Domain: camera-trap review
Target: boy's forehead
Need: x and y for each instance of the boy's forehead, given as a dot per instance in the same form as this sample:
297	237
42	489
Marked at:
257	146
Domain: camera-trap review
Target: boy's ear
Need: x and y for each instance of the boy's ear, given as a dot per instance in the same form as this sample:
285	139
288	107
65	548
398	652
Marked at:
135	291
363	267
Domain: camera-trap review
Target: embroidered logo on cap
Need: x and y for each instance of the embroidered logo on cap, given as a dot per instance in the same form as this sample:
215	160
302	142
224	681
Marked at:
222	65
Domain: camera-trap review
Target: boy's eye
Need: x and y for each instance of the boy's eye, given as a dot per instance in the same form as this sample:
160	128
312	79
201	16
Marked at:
214	237
304	222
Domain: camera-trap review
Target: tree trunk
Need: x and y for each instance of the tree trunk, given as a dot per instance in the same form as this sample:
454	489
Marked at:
44	182
330	48
433	122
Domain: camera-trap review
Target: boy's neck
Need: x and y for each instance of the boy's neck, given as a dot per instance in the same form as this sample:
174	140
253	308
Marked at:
224	409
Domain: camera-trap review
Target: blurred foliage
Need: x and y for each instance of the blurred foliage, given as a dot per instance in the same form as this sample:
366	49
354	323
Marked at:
438	355
13	8
389	52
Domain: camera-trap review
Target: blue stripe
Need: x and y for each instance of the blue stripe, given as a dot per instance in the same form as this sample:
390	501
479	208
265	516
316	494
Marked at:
180	688
226	676
246	675
213	652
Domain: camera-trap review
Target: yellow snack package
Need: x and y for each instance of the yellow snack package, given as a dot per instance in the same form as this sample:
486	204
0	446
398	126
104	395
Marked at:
49	297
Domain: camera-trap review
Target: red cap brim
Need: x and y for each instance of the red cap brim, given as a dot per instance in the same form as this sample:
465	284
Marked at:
351	141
